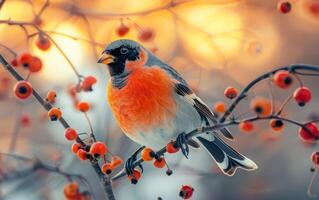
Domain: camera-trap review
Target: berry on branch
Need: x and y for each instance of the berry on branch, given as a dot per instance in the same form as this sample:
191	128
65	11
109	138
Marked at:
107	168
87	83
98	149
172	147
302	95
54	114
220	107
147	154
42	42
276	124
283	79
135	176
70	134
186	192
71	190
261	106
51	95
246	126
284	7
23	89
83	106
160	162
315	158
75	147
309	133
230	92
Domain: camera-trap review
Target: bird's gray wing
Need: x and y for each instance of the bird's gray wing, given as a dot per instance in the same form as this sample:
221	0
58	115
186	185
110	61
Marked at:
182	89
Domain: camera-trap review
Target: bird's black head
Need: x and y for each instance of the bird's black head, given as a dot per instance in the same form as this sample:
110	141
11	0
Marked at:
118	53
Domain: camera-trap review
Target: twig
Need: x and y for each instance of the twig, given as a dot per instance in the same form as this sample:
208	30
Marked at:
105	181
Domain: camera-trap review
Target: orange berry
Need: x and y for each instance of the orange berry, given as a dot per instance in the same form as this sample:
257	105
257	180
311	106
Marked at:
42	42
220	107
172	147
230	92
246	126
146	35
261	106
147	154
276	124
160	162
25	59
70	134
51	95
283	79
35	65
87	83
107	168
98	149
135	176
116	161
23	89
75	147
71	190
82	155
83	106
54	114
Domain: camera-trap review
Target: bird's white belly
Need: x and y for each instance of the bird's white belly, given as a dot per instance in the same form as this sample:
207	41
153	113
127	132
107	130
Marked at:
185	120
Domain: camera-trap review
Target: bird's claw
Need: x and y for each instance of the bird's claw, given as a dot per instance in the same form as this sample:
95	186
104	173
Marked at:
181	141
129	164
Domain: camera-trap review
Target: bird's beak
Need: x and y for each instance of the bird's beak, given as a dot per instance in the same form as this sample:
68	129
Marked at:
106	58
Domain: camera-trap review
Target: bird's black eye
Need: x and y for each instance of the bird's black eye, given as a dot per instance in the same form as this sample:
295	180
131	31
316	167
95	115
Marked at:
124	50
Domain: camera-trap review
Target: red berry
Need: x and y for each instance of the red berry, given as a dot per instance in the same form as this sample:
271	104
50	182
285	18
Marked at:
98	149
14	63
302	95
135	176
160	162
23	89
87	83
146	35
186	192
283	79
25	120
284	7
43	43
310	133
172	147
315	158
314	7
231	92
82	155
70	134
75	147
246	126
122	30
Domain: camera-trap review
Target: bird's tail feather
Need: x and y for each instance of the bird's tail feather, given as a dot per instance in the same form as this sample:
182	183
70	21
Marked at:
227	159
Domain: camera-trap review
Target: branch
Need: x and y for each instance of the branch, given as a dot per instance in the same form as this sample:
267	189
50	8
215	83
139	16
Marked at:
222	123
105	181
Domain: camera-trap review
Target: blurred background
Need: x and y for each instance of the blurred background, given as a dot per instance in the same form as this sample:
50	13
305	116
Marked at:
212	43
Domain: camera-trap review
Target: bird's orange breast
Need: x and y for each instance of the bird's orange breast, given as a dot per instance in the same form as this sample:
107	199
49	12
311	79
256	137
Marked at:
145	102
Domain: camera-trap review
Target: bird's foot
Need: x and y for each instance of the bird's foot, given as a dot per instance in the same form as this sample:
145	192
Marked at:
181	142
129	164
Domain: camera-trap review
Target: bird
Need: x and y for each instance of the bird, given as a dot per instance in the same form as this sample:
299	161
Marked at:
154	105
